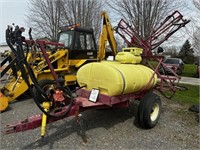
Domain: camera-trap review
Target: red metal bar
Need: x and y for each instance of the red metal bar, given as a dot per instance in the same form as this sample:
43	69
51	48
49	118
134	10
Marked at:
127	30
165	81
109	100
169	26
32	42
164	26
41	45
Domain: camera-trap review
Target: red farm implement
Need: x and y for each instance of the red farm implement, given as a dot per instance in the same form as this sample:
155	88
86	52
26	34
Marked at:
158	35
56	101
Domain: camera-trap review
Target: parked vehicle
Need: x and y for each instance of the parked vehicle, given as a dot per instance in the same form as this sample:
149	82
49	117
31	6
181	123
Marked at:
175	64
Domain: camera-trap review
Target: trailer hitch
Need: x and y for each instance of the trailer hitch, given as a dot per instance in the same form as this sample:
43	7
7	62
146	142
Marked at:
36	121
26	124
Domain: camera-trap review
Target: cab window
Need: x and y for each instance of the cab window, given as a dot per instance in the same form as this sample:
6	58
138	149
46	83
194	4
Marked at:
66	38
84	41
90	42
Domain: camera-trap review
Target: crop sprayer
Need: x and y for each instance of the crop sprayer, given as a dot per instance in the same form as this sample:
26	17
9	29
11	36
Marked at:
102	84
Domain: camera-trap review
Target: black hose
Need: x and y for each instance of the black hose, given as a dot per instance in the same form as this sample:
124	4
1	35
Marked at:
78	89
21	61
38	88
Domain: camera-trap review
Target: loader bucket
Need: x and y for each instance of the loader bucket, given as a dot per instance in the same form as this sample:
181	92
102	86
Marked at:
3	102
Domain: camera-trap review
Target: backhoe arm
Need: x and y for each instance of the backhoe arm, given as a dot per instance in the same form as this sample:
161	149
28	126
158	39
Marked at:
107	34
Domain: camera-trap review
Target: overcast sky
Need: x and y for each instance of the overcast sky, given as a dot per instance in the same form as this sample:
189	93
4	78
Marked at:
13	11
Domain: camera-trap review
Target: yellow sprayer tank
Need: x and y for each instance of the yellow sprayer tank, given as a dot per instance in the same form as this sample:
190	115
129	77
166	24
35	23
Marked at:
114	78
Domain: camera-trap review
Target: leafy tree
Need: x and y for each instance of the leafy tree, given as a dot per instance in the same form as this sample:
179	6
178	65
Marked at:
186	53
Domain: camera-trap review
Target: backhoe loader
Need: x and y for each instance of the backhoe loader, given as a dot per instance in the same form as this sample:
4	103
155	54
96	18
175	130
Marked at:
76	46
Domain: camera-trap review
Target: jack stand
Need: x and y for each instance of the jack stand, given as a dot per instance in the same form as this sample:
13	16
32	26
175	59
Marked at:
46	106
81	131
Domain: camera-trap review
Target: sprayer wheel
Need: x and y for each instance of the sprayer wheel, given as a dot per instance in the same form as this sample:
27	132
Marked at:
149	110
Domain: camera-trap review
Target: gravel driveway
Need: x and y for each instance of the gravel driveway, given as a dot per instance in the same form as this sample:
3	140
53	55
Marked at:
105	129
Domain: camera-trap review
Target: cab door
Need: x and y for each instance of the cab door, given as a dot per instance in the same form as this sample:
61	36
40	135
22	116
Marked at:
84	46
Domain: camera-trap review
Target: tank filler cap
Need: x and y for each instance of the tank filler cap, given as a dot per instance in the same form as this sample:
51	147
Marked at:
110	58
133	50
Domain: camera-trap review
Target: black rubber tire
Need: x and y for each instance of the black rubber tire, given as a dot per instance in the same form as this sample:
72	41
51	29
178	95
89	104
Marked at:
149	110
42	84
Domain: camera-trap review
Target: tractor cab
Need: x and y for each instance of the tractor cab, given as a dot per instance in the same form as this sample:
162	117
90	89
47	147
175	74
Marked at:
79	41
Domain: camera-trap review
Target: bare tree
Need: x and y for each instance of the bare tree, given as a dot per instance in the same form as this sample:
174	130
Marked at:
84	12
144	15
197	4
196	41
46	16
196	34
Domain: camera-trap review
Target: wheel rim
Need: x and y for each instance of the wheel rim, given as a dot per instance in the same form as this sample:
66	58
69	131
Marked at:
154	112
47	87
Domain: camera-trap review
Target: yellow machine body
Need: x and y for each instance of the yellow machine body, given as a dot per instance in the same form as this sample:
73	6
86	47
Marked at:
16	86
4	102
115	78
14	89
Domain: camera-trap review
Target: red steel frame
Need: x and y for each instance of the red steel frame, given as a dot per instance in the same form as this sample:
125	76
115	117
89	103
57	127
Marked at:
81	103
168	27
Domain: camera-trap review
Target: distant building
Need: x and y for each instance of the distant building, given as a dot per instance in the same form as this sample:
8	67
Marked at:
3	47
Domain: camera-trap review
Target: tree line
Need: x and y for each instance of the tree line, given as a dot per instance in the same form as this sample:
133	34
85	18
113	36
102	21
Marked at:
47	16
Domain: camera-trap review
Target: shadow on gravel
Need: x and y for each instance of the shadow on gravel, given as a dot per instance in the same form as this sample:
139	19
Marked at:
90	119
21	98
24	96
7	109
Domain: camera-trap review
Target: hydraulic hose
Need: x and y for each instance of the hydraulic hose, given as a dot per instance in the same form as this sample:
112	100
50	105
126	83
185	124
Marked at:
15	37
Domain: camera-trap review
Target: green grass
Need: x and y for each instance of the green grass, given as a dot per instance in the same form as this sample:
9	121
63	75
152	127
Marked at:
189	70
190	96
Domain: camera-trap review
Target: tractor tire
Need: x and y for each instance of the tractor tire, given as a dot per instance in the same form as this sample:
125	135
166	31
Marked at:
44	84
149	110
